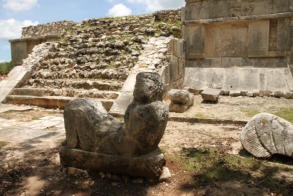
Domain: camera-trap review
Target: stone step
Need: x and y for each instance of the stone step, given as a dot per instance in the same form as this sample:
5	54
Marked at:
87	71
109	85
49	101
67	92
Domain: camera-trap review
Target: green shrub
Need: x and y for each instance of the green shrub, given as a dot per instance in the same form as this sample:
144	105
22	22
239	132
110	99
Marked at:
5	67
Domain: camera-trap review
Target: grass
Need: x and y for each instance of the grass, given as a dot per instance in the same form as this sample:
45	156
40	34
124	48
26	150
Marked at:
209	167
286	113
201	115
2	144
249	112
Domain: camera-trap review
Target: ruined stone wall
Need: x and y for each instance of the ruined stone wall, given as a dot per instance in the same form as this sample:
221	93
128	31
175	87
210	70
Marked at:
173	76
227	33
54	28
168	15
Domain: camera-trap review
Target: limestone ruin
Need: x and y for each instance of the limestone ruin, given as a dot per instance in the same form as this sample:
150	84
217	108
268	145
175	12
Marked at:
92	59
243	48
240	48
266	134
98	142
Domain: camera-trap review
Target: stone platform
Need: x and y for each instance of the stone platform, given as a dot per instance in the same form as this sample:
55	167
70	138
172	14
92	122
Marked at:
148	165
238	81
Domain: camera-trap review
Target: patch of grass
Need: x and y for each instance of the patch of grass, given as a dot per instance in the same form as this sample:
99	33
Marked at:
2	144
178	24
201	115
249	112
208	167
5	67
286	113
37	117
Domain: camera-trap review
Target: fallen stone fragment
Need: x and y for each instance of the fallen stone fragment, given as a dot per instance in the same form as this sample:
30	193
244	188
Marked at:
211	95
181	96
166	174
181	100
266	134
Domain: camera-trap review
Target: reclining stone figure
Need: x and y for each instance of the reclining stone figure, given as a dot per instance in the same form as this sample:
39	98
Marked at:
97	141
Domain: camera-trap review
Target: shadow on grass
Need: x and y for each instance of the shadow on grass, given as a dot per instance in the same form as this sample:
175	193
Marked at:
209	168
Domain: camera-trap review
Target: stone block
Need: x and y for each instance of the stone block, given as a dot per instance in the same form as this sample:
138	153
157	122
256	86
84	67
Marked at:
148	166
181	100
211	95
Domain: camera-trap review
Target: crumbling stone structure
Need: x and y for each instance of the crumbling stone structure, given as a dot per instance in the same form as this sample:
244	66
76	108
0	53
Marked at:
96	141
241	47
99	59
35	35
168	15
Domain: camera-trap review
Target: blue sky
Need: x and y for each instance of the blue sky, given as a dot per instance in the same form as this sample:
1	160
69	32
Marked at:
15	14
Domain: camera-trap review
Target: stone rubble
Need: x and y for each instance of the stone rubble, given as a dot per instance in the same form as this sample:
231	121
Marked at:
266	134
99	54
181	100
210	95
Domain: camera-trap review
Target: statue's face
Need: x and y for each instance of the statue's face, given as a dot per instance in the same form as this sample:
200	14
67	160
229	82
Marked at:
148	88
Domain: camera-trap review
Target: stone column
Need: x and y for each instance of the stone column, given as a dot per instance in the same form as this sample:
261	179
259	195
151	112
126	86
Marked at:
290	52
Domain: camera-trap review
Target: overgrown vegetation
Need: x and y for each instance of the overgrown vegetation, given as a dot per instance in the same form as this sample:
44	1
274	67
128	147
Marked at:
286	113
5	67
208	167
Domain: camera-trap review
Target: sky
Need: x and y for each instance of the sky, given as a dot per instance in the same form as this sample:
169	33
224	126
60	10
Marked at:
15	14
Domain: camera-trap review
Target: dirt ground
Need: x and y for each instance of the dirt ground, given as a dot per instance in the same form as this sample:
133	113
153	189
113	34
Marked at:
236	108
204	159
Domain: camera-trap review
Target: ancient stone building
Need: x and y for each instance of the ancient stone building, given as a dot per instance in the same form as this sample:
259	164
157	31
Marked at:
34	35
239	46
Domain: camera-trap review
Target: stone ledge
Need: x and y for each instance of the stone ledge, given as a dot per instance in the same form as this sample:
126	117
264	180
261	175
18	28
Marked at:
240	18
36	38
148	166
196	120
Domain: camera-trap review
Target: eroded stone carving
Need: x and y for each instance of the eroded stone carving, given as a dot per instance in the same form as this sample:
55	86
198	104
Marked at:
266	134
97	141
181	100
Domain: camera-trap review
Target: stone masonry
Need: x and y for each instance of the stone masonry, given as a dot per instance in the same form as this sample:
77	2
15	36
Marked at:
243	47
92	59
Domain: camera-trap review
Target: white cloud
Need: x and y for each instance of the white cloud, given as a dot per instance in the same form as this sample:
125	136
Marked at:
119	10
19	5
154	5
11	28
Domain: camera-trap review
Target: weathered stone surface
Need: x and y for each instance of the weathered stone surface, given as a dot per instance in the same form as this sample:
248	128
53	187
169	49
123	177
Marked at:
149	165
266	134
181	100
181	97
130	148
178	108
146	123
148	88
211	95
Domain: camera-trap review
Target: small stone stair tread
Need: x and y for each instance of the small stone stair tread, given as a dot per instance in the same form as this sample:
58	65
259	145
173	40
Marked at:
50	101
78	84
66	92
